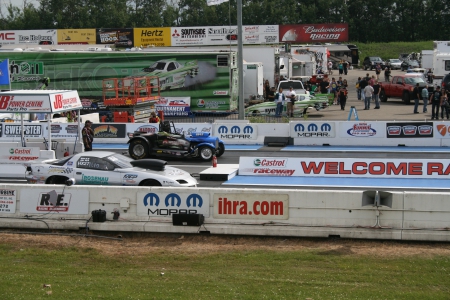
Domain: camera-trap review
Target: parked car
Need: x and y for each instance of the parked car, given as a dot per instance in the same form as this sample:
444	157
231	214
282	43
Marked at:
401	87
394	63
108	168
409	64
167	142
371	61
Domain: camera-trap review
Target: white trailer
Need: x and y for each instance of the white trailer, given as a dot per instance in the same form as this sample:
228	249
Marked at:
253	81
427	59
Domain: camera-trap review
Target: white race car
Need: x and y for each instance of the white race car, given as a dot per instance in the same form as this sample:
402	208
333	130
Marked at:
108	168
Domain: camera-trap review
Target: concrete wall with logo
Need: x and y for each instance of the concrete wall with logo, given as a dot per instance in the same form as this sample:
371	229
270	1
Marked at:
307	213
241	132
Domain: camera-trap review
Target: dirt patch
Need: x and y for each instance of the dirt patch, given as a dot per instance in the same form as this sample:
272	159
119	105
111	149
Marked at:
198	244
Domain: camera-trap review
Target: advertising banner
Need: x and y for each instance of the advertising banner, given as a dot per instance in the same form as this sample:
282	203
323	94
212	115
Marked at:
223	35
68	202
30	131
29	37
345	167
120	37
64	130
409	130
8	201
76	36
442	131
313	33
109	131
163	204
362	129
39	101
236	132
312	129
174	106
19	154
255	206
194	75
152	36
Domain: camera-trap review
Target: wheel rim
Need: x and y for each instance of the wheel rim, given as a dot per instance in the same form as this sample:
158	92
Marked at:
138	150
206	153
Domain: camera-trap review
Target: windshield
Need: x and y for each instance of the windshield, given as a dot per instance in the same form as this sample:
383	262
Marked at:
375	58
61	161
120	160
296	85
395	61
158	65
413	80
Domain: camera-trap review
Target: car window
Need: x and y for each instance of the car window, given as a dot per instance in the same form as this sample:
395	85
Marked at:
413	80
296	85
171	67
61	161
120	160
159	65
447	65
94	163
399	80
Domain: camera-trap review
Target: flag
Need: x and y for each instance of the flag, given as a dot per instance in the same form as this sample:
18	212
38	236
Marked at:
215	2
4	72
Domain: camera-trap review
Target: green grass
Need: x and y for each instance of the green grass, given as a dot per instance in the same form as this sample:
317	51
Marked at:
87	274
392	50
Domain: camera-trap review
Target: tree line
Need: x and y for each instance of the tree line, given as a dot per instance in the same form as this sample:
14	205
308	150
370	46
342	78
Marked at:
369	21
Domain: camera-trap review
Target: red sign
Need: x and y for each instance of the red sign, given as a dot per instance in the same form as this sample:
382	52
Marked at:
313	33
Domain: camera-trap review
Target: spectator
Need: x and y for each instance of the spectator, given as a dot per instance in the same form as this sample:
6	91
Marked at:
341	67
358	88
376	94
153	118
290	102
324	86
266	90
330	67
435	99
416	94
368	92
88	135
279	99
430	76
271	95
378	70
425	98
387	74
345	66
372	80
343	96
444	105
333	90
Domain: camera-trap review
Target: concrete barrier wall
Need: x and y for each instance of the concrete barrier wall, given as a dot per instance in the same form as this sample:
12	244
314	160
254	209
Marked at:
410	216
345	133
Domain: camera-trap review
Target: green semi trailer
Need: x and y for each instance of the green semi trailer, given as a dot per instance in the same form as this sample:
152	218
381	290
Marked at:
210	78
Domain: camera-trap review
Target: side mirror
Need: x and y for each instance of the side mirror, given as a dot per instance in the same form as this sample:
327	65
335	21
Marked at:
70	181
29	169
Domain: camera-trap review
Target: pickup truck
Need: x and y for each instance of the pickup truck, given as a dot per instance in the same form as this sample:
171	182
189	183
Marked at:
297	86
401	87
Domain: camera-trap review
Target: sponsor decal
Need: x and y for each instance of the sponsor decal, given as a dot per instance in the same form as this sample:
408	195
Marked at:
29	130
273	162
60	170
362	130
409	130
8	201
53	201
308	130
220	93
167	204
237	132
251	206
94	179
109	131
443	130
72	129
148	129
56	128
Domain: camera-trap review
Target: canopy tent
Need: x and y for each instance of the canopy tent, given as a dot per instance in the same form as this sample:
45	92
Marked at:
40	101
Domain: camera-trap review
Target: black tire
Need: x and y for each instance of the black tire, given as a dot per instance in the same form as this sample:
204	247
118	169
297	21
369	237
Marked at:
56	180
139	149
365	67
383	97
406	98
150	182
256	113
221	150
205	153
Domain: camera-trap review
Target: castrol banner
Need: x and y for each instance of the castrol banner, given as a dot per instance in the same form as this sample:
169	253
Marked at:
345	167
18	154
313	33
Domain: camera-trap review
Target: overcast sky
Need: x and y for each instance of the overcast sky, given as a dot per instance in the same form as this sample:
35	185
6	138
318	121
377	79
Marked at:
18	3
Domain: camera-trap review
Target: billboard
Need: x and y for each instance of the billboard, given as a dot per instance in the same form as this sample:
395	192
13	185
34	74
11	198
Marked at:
313	33
152	36
29	37
76	36
120	37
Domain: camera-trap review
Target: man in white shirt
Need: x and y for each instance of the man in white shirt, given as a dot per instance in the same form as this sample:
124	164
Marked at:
290	102
368	92
330	67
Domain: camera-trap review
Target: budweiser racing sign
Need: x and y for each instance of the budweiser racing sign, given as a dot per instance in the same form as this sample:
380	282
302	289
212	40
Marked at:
306	33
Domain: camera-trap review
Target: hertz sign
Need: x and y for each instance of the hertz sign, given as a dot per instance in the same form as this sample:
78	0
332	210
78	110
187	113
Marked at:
312	130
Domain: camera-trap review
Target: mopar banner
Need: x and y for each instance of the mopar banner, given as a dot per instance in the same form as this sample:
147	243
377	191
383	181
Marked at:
29	37
120	37
409	130
109	131
164	204
229	131
152	36
313	33
76	36
207	78
312	129
223	35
